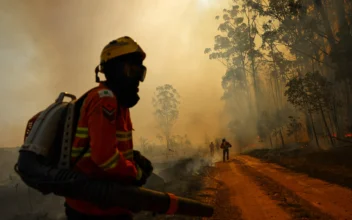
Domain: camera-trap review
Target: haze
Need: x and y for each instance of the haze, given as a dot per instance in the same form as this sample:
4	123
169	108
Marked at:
51	46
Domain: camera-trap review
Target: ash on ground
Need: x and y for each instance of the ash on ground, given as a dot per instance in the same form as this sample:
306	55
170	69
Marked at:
183	178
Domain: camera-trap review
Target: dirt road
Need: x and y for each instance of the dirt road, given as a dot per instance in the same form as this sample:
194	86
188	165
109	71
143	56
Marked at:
255	190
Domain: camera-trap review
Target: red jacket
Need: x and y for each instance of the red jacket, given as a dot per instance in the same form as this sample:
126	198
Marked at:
106	127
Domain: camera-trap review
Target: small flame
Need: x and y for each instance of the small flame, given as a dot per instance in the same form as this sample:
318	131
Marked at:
348	135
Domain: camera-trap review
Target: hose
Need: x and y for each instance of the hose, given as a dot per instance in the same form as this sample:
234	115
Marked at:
72	184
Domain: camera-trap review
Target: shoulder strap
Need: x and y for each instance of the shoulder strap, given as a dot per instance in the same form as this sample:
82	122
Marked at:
86	148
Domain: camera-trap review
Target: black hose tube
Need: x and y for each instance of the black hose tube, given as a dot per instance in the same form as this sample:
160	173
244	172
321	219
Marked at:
76	185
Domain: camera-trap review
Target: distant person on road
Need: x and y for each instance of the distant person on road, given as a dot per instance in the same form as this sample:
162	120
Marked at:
225	145
212	148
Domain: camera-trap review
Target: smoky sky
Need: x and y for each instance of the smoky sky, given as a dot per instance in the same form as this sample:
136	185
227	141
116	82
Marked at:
51	46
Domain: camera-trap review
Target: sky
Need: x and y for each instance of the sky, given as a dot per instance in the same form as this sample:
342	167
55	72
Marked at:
47	47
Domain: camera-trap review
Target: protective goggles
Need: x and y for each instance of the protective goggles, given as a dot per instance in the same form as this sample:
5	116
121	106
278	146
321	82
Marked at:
136	71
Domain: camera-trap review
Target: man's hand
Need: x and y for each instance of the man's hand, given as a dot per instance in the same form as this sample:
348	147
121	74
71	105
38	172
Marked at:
145	165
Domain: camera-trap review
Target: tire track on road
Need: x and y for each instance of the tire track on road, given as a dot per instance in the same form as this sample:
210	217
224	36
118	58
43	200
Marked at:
288	200
318	198
243	198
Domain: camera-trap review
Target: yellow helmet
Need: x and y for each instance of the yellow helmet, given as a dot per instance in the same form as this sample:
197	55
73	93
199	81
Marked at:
119	47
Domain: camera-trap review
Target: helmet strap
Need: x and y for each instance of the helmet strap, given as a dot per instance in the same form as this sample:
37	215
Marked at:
97	79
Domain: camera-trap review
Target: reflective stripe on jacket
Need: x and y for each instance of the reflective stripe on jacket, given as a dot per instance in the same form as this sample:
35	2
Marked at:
106	128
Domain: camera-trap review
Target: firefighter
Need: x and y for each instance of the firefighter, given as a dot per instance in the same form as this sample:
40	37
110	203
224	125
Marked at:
225	145
105	126
211	146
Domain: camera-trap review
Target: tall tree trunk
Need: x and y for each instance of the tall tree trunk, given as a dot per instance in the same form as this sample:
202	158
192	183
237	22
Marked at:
343	26
168	142
335	118
341	51
348	104
282	138
276	79
315	133
348	5
252	59
326	125
271	141
274	92
332	124
326	23
308	126
243	65
251	56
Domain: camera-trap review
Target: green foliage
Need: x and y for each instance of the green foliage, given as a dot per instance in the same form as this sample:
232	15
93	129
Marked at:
311	92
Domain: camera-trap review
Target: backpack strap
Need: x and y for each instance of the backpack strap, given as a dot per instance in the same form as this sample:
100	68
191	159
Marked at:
86	148
79	103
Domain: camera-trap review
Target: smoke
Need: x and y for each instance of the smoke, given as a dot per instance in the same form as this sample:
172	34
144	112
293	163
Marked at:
51	46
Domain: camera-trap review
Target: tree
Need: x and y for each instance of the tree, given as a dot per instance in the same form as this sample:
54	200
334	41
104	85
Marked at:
279	121
311	93
297	96
166	102
319	93
235	47
297	37
265	127
294	127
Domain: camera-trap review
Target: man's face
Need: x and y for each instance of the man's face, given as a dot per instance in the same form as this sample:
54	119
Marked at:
127	73
133	67
135	70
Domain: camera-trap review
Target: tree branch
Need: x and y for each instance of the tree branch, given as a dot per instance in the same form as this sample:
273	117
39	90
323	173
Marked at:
308	55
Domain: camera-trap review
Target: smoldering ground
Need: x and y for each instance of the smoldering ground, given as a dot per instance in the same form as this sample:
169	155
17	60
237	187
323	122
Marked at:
17	201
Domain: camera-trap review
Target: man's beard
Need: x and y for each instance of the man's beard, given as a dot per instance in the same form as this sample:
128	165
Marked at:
128	99
126	92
